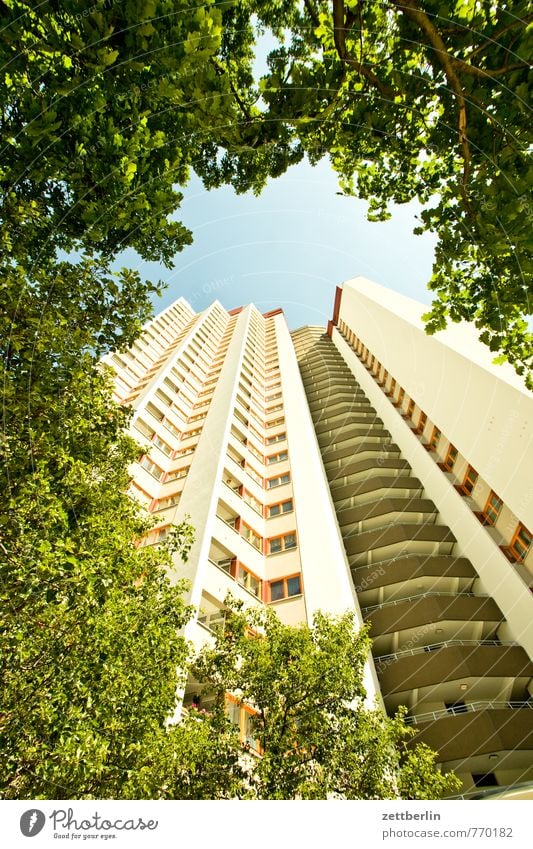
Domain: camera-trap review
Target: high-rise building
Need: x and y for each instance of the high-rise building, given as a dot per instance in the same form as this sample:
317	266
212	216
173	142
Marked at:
368	467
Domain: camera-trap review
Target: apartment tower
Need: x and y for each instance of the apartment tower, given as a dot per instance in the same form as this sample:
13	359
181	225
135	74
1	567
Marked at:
366	467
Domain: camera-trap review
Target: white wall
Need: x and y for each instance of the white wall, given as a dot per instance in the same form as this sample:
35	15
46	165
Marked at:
483	409
498	577
325	571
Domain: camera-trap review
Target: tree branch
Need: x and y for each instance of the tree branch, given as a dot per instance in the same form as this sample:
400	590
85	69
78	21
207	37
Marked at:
466	68
313	14
220	69
340	27
411	10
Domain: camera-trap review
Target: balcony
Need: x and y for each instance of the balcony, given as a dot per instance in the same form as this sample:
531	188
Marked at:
400	539
439	668
417	620
489	726
400	576
376	513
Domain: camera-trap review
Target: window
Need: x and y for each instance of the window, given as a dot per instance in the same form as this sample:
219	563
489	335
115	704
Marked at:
153	410
421	422
280	509
435	436
392	388
282	543
177	473
275	423
270	440
255	476
248	580
253	502
277	458
242	716
165	503
469	481
492	508
410	409
456	707
162	445
399	400
278	481
285	588
163	397
520	544
251	536
144	428
152	468
451	457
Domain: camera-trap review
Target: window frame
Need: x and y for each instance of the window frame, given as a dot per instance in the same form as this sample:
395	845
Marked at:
284	581
449	461
270	485
491	514
283	548
280	504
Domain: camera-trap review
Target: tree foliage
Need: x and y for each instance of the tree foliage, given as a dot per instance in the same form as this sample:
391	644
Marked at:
424	100
90	623
107	107
317	737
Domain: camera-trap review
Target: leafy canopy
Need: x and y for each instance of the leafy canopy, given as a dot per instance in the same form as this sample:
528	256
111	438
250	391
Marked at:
317	737
107	108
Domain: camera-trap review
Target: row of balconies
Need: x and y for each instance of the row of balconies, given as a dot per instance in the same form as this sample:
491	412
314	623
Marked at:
434	635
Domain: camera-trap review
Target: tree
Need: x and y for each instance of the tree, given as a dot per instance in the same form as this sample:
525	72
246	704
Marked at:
90	644
422	100
107	108
316	736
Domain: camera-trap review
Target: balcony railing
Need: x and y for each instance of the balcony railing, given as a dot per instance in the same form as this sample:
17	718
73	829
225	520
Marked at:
470	707
387	658
384	604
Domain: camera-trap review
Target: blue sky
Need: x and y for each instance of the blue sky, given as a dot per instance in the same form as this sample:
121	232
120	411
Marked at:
289	247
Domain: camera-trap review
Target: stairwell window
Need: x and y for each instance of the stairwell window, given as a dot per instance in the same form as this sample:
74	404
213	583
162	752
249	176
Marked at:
493	508
469	481
421	422
520	543
285	588
451	457
435	436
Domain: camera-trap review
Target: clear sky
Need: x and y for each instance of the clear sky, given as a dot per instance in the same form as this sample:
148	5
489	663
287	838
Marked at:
289	248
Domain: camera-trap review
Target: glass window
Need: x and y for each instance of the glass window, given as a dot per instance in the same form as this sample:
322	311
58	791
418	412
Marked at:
493	508
277	590
293	586
469	481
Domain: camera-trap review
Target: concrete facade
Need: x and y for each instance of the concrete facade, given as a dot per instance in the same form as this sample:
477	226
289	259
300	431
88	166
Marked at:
314	483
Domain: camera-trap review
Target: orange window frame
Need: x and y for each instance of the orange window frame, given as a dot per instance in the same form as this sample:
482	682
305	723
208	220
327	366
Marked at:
284	581
520	549
279	504
451	457
492	512
435	436
469	481
281	537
